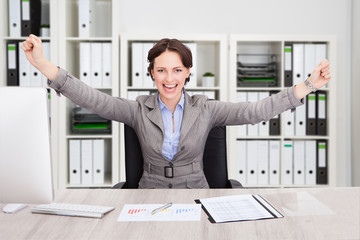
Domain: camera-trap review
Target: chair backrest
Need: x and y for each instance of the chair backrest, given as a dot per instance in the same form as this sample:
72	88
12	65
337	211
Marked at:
215	158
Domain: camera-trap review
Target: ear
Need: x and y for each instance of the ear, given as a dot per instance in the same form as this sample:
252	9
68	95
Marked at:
188	72
152	74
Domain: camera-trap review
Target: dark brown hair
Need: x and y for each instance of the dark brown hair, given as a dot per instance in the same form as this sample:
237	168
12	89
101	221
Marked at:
173	45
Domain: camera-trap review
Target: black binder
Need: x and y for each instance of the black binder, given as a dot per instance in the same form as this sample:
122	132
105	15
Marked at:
311	114
12	78
321	163
274	123
288	65
30	17
321	102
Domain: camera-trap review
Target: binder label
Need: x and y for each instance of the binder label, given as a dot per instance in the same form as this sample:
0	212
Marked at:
25	7
12	56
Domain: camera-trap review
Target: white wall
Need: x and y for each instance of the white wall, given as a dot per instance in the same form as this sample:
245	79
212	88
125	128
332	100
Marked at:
355	108
326	17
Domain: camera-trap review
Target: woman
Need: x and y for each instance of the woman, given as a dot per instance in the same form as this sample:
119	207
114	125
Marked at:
172	126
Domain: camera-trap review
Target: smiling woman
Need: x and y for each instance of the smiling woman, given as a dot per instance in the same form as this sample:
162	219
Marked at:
172	126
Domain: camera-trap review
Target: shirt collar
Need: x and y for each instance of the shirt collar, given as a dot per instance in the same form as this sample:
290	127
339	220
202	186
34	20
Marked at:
180	103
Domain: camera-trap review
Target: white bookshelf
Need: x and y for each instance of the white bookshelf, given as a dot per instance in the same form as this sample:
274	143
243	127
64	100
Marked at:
69	40
276	45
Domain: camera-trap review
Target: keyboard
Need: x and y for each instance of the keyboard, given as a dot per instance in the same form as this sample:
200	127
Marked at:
74	210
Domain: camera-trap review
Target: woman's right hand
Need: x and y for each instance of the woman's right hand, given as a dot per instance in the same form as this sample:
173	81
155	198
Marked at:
32	47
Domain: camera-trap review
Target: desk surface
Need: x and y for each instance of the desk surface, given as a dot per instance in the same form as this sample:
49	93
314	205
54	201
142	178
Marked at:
335	215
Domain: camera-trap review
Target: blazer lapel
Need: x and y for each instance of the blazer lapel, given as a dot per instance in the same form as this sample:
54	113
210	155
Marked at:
191	113
154	115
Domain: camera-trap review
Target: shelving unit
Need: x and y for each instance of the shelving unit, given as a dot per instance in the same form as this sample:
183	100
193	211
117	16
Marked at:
105	31
275	45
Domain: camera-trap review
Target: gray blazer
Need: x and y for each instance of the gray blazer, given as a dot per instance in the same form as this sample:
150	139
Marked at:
200	116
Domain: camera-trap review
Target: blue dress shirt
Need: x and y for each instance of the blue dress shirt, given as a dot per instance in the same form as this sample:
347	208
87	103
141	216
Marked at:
172	138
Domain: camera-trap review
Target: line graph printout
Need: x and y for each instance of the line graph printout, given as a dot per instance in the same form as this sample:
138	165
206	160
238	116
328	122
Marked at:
239	208
177	212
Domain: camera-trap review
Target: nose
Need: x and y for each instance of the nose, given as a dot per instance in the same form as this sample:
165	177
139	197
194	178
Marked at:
169	77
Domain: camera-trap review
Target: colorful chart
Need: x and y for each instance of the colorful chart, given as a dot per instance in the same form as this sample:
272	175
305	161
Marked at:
177	212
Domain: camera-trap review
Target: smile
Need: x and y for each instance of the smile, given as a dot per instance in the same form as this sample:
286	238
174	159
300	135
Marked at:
170	86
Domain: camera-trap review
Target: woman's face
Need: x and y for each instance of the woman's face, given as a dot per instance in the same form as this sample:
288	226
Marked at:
169	74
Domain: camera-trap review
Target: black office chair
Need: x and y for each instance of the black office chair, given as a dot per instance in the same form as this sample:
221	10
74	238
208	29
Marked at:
215	160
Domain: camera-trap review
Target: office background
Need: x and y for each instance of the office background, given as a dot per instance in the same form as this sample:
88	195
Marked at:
321	17
334	17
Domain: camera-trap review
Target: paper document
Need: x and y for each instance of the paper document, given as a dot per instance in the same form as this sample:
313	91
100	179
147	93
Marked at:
238	208
177	212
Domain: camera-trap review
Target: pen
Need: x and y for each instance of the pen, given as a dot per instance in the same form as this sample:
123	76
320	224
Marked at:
156	210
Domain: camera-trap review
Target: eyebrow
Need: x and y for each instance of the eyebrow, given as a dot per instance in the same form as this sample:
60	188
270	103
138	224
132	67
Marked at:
173	67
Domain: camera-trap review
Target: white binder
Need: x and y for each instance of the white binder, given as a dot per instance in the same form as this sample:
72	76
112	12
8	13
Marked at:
85	62
46	53
147	81
300	120
35	77
310	162
132	95
74	161
299	162
24	69
137	70
252	130
193	70
263	162
241	156
209	94
86	162
99	161
287	166
14	18
264	126
241	97
298	63
86	18
320	52
274	162
106	65
288	126
96	64
252	162
309	59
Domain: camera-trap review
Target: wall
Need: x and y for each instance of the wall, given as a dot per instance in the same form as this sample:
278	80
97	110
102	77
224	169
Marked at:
324	17
355	99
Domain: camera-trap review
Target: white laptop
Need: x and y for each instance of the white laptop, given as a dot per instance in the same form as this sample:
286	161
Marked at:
25	156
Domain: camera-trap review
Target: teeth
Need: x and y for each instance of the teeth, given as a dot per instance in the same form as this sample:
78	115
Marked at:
170	86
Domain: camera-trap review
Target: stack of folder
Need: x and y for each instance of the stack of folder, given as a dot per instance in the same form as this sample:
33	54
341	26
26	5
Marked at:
19	70
303	162
95	64
88	161
309	119
300	59
25	17
84	121
256	70
269	128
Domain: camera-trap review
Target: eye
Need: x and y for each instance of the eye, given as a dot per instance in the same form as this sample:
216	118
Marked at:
178	70
160	70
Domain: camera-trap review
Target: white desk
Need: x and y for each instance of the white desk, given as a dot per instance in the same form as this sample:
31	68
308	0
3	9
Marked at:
342	222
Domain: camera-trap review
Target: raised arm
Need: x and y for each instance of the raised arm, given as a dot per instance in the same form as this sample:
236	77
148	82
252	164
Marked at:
32	47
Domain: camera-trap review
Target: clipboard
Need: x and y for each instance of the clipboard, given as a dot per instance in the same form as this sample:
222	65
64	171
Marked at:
246	207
